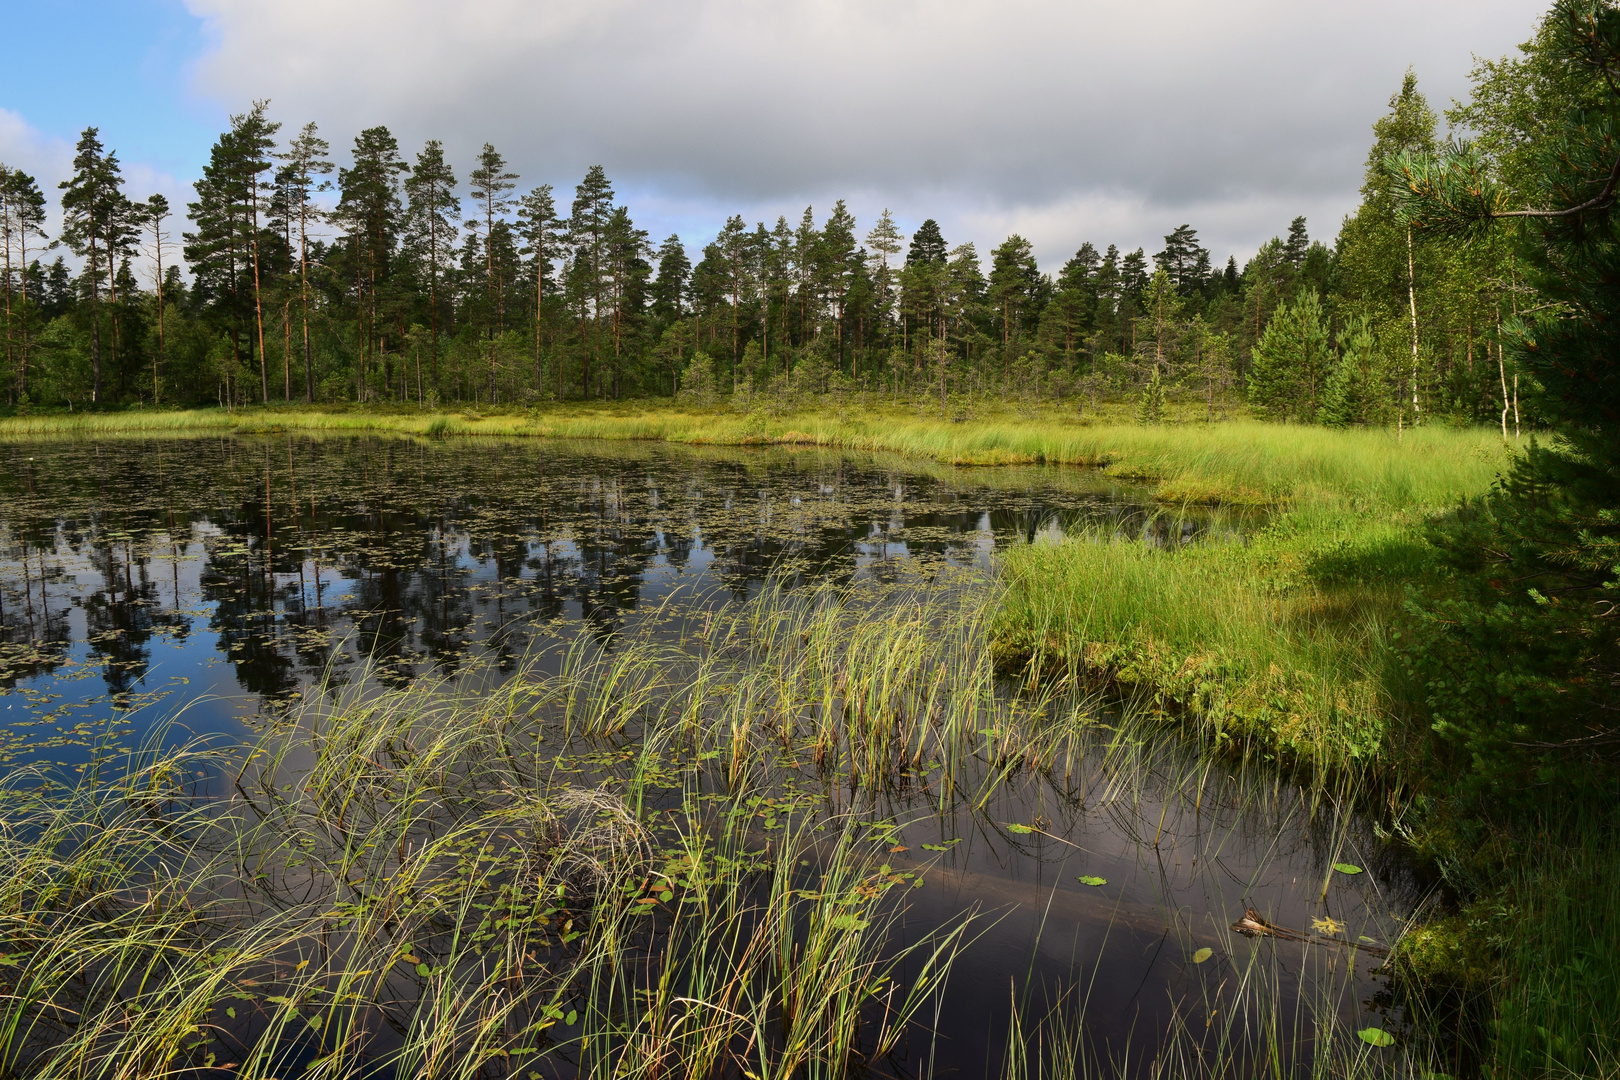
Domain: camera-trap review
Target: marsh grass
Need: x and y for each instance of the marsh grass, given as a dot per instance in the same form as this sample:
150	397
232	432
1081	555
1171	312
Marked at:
1237	462
1555	1004
658	860
1279	642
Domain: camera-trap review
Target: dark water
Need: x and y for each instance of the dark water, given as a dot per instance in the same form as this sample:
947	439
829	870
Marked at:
228	575
239	570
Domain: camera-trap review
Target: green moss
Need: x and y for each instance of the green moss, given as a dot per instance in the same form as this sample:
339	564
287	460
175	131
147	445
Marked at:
1447	954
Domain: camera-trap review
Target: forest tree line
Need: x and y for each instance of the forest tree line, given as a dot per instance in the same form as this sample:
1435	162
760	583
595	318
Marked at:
417	288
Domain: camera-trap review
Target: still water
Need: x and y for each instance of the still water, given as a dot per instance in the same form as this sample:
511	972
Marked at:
218	580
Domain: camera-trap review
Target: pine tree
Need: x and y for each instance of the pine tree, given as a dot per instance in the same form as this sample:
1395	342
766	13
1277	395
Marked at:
215	250
369	209
432	214
837	263
587	235
1013	279
735	253
154	213
1298	242
489	183
884	242
96	226
306	163
253	138
628	271
1184	260
546	237
22	214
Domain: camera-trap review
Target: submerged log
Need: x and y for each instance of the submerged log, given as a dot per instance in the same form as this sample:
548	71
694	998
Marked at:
1254	924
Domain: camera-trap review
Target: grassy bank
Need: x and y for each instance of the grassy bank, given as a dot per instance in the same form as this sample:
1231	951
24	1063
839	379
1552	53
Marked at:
1277	645
1236	462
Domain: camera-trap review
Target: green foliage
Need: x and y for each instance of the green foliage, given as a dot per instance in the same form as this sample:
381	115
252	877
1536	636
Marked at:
1292	361
698	383
1520	663
1150	405
1358	390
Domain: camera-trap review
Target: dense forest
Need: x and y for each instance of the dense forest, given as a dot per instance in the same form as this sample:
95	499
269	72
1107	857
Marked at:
406	285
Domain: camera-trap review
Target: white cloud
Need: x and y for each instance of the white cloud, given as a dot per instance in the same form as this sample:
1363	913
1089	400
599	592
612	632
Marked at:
49	160
1234	116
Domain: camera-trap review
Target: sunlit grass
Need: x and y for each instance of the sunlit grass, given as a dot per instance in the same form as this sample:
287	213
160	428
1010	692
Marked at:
1234	462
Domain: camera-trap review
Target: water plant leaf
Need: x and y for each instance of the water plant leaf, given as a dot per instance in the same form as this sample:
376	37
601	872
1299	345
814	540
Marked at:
1375	1037
1019	829
1347	868
1202	954
569	1020
1092	879
423	970
1327	925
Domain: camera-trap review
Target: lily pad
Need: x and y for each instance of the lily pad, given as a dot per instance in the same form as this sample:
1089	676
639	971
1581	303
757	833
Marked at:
1091	879
1020	829
1202	954
1347	868
1375	1037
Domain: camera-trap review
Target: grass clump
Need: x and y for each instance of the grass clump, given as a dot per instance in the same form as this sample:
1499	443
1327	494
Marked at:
1278	642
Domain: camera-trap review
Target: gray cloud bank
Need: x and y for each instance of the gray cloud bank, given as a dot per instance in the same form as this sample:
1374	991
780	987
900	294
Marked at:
1065	120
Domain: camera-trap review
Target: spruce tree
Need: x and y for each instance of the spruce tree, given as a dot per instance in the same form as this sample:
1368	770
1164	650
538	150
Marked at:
669	287
927	245
1291	361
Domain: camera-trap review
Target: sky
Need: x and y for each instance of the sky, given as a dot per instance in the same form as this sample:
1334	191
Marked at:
1062	120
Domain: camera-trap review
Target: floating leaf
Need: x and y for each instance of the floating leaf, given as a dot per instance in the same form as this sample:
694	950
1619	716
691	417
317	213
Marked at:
573	1015
1375	1036
1202	954
423	970
666	896
1347	868
1020	829
230	1011
1091	879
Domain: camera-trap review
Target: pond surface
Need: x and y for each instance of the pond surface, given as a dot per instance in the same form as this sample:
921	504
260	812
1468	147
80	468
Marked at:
229	576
